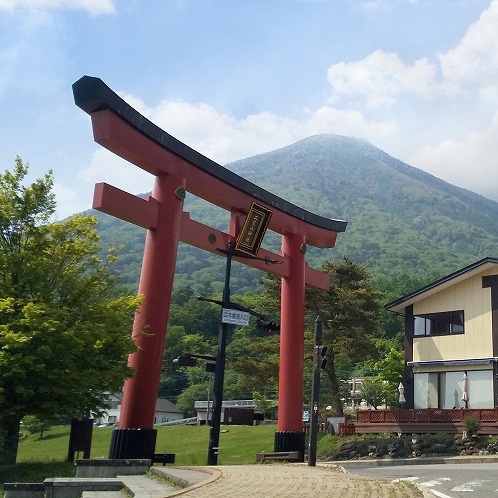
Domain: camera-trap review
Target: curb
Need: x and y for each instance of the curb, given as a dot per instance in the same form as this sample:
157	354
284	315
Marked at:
413	461
187	485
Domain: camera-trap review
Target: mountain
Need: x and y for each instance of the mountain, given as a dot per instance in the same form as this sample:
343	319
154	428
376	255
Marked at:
401	220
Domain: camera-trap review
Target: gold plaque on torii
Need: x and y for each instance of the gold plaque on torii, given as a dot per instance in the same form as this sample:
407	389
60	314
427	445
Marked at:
254	229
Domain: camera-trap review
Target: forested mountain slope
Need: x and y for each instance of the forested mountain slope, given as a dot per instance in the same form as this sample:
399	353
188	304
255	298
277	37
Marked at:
401	220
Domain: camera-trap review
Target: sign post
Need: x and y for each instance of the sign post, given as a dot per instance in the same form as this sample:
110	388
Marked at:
247	244
315	393
219	374
235	317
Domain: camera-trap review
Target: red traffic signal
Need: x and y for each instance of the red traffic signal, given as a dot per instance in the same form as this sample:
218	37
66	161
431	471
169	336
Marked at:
269	326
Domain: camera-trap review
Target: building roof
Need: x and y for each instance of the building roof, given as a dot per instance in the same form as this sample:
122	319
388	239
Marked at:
164	405
399	305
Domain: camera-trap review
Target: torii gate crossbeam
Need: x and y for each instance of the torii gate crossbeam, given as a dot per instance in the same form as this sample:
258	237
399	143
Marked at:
179	169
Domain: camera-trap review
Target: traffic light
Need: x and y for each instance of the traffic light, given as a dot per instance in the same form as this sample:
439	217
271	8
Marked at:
185	360
269	326
210	367
323	353
319	357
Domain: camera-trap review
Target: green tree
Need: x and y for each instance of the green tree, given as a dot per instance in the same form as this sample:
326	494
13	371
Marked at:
194	392
391	372
262	403
351	314
64	330
253	354
34	425
372	391
257	365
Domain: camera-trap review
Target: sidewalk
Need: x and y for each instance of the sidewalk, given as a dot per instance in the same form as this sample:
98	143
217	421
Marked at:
284	480
298	480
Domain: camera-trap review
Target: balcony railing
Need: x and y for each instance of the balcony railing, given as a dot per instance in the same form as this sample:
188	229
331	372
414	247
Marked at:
429	420
428	415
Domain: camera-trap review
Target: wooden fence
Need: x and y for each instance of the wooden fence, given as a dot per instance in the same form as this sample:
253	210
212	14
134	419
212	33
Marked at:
343	428
424	420
347	429
322	427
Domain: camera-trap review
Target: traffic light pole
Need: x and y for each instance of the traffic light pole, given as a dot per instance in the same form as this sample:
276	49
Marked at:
315	393
219	375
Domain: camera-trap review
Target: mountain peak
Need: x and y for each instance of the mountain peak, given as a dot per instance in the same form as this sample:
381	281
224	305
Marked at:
400	219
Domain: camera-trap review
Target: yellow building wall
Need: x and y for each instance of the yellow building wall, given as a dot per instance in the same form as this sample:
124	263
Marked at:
476	341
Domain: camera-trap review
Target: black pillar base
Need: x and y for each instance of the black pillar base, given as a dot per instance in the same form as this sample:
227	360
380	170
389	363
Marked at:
290	441
133	444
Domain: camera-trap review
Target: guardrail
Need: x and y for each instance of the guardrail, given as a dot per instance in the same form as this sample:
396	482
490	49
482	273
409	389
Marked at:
183	421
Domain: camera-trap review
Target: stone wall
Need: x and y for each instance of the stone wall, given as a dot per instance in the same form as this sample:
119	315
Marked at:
419	445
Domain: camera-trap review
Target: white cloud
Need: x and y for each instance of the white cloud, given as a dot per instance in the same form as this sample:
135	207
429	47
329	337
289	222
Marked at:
220	137
442	98
471	163
107	167
347	122
359	89
94	7
475	59
382	77
68	201
223	138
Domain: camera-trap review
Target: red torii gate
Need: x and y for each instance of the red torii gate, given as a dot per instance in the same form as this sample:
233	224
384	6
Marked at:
178	169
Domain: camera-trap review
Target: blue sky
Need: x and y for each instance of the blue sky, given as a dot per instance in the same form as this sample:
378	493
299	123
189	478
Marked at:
418	79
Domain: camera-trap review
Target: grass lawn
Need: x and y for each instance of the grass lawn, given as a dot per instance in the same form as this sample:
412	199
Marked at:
238	444
42	458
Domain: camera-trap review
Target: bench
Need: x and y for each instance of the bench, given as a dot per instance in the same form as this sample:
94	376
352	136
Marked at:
290	456
163	458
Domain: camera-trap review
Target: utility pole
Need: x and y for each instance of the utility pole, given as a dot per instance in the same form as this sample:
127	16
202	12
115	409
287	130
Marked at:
318	353
247	245
219	374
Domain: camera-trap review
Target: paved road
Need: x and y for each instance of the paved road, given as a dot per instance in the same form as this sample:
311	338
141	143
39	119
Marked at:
293	481
442	481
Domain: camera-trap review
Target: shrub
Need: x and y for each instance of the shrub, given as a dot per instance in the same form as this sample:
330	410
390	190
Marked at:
471	426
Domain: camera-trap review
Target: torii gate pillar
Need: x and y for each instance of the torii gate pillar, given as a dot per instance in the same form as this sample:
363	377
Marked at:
290	435
178	169
156	285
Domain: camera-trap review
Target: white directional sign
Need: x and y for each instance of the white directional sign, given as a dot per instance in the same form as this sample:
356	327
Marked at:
235	317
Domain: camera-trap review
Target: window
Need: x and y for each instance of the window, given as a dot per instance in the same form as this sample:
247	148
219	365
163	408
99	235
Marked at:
450	322
480	388
426	390
445	389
